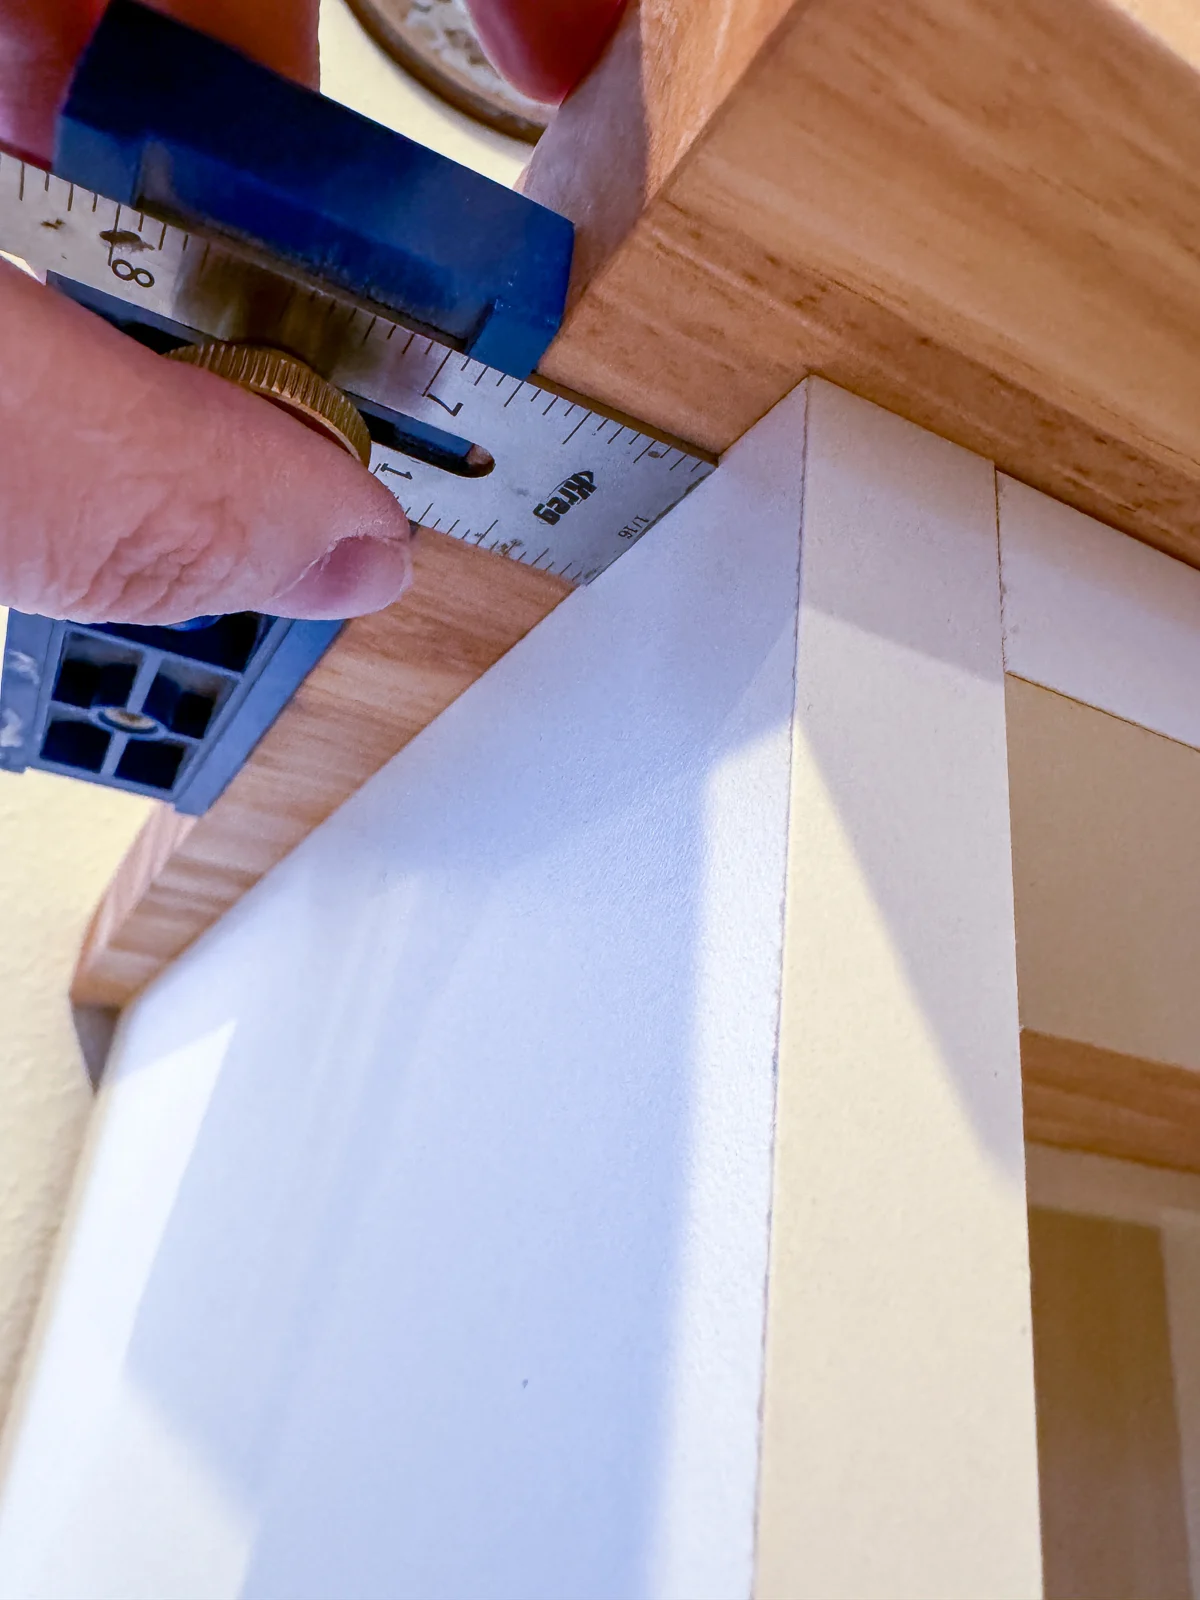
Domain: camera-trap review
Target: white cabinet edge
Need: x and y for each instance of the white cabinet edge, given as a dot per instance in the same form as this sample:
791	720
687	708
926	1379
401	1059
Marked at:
1098	616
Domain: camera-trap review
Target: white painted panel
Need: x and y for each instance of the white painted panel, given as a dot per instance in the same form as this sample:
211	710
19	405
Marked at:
899	1440
1099	616
459	1290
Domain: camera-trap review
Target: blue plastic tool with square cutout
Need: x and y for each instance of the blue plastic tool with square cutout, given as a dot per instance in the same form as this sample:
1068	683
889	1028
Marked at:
168	120
171	713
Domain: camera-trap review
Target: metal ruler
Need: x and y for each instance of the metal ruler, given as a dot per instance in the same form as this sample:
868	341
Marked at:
555	481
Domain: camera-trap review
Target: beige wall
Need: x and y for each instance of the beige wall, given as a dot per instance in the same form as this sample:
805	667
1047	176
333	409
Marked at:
60	841
1106	867
1102	1416
358	74
1113	1518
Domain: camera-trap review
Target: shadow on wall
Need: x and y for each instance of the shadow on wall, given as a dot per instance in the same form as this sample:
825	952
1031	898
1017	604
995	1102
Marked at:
459	1284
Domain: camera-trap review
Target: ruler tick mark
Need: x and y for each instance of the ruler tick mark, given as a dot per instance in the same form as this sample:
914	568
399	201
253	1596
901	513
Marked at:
70	197
437	374
21	185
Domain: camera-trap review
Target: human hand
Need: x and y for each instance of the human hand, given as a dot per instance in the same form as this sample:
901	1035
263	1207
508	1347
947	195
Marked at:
545	47
135	489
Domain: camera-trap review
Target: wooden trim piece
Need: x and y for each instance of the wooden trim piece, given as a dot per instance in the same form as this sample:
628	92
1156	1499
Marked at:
980	216
1080	1097
385	678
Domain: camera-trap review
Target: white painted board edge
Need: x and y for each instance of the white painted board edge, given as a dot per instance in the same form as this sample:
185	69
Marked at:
1097	615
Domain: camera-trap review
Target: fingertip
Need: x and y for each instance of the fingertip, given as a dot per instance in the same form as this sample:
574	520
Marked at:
359	575
545	48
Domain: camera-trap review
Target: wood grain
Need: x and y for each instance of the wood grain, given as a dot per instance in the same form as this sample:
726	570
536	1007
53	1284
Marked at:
1080	1097
984	216
1109	1454
385	678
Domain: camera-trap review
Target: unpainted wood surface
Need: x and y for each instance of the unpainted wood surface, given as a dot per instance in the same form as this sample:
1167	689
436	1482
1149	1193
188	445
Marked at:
1080	1097
384	679
1113	1523
982	215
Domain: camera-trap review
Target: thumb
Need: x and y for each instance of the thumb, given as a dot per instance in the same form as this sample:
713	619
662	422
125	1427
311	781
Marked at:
140	490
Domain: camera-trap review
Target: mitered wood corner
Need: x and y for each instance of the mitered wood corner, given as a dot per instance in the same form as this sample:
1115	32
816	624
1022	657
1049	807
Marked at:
383	680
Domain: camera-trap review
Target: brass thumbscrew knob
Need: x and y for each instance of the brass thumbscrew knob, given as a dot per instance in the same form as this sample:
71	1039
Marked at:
286	383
